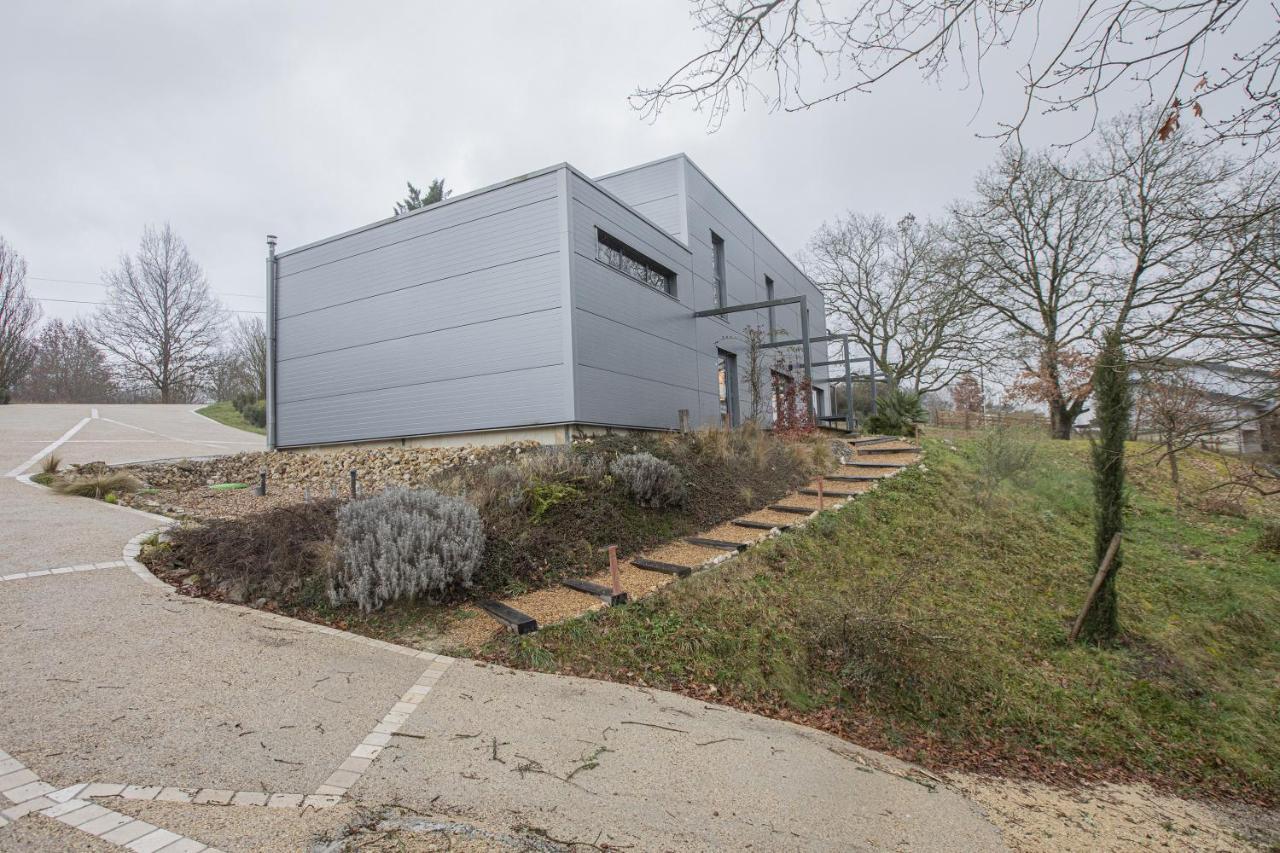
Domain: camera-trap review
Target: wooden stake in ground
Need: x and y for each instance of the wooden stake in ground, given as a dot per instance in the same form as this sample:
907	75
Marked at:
613	570
819	494
1103	571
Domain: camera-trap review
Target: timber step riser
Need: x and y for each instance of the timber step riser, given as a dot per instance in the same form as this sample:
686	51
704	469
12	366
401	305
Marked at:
603	593
794	510
509	617
831	493
853	478
885	464
759	525
665	568
722	544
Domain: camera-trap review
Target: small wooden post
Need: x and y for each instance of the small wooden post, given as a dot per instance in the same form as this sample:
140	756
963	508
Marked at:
820	484
353	484
262	483
613	570
1103	571
306	494
333	490
684	420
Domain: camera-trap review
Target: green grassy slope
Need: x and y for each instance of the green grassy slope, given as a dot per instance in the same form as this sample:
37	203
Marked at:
225	413
928	622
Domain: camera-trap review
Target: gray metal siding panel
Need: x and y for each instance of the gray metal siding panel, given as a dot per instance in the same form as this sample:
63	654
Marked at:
519	288
749	256
637	364
655	191
518	398
448	320
643	356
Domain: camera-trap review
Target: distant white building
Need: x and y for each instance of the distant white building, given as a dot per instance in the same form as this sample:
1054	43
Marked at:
1242	402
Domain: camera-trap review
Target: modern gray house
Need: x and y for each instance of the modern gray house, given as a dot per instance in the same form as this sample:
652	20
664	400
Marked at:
540	307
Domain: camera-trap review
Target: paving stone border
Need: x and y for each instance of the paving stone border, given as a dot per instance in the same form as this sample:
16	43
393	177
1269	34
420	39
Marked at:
63	570
24	789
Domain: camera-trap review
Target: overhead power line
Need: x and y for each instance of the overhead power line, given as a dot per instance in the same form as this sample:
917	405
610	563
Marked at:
91	302
101	284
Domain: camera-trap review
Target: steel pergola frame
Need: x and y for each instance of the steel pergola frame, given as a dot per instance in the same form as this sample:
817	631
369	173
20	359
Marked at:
804	340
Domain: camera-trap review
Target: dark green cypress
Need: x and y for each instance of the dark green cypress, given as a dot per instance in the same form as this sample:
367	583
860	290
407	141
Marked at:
1113	399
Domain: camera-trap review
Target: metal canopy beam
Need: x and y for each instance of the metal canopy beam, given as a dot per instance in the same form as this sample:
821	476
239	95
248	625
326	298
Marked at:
796	342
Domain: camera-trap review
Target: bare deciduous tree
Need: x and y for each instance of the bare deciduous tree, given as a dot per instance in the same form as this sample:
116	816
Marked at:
1217	59
161	321
1182	222
249	345
19	314
68	367
1035	238
895	289
1175	411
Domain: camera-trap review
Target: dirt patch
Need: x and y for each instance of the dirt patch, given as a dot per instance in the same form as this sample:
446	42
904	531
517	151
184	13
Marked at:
1037	818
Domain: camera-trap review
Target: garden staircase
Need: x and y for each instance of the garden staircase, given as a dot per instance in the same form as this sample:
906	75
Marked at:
872	458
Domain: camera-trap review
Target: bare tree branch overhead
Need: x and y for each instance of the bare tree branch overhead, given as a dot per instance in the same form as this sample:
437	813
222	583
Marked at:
161	322
19	315
1184	56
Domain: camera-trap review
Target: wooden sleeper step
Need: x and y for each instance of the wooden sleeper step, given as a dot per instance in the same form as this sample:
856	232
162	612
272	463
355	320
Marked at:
722	544
876	439
759	525
603	593
509	617
665	568
877	464
794	510
830	493
853	478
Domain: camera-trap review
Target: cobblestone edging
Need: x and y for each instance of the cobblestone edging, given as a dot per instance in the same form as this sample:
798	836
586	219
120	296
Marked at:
72	805
24	789
62	570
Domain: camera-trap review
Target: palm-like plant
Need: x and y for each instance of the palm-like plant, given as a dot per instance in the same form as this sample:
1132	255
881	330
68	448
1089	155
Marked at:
897	414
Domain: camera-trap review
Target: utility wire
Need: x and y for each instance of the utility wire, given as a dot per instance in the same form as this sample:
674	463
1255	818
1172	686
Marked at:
90	302
100	284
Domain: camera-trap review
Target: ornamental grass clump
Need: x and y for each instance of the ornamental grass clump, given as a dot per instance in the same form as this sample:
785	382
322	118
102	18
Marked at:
405	544
651	482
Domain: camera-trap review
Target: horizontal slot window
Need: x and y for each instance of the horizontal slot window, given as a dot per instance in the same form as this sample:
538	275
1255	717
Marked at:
629	262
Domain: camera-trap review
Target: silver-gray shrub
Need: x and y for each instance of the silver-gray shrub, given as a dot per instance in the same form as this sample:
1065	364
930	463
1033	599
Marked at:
405	543
650	481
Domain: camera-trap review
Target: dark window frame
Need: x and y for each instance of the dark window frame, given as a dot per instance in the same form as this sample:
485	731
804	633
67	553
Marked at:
621	250
720	271
768	295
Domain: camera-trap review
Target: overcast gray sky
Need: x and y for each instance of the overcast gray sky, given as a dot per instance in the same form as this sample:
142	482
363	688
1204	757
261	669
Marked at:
233	120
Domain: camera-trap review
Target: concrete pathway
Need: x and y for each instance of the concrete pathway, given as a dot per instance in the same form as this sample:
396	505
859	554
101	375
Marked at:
140	718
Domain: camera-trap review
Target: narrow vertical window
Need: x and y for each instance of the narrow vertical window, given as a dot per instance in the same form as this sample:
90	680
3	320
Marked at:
717	248
768	294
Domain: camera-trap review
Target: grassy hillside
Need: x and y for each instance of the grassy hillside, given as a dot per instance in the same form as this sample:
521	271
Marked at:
929	620
225	413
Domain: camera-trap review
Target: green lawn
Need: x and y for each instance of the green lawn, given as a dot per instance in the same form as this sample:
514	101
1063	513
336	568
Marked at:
225	413
928	622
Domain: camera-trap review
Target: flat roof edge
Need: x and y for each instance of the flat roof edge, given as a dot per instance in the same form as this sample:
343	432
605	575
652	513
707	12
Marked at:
528	176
